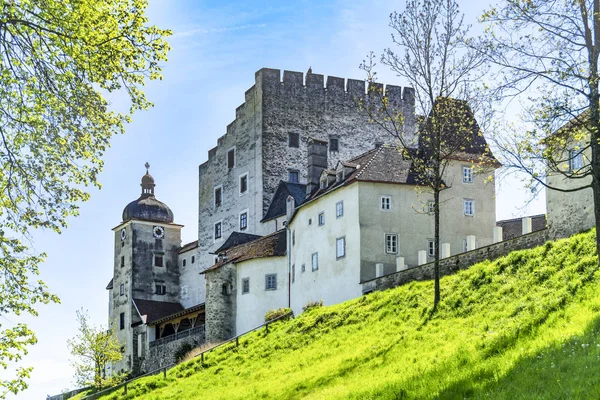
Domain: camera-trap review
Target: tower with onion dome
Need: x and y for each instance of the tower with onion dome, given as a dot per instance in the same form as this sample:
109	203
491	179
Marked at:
146	270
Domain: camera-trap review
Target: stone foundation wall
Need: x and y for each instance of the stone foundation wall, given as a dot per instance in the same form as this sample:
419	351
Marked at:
164	354
456	263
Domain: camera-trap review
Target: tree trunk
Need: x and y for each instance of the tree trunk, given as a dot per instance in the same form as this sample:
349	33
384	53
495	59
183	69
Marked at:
595	119
436	240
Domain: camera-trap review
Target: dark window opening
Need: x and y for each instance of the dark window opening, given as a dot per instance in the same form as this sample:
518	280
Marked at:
122	290
231	158
122	321
193	259
293	177
333	144
161	289
218	230
183	262
294	140
226	289
158	261
245	285
218	196
122	261
243	184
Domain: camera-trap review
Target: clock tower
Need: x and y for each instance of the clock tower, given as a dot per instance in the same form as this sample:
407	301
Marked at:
146	244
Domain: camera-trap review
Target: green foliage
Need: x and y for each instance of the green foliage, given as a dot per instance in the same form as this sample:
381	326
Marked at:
58	58
312	304
513	337
279	312
93	349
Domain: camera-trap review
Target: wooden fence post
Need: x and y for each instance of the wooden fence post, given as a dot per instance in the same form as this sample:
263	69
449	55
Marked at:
267	328
237	343
125	388
202	357
165	372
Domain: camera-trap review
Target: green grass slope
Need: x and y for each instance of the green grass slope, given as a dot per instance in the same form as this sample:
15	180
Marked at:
522	327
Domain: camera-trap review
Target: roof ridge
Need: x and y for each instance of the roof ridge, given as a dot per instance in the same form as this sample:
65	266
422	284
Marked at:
379	149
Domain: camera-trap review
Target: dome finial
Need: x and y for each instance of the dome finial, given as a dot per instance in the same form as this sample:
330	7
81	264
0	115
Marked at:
147	182
147	165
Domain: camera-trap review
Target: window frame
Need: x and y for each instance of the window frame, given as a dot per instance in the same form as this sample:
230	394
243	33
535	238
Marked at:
121	321
381	203
160	289
230	151
295	143
314	257
122	289
430	248
242	176
122	261
274	280
297	174
321	218
193	260
220	224
246	285
396	243
337	255
183	262
156	262
243	212
467	174
472	207
339	209
575	155
430	207
218	189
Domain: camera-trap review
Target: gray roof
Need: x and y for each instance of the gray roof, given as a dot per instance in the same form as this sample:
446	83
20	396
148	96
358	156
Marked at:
278	205
235	239
151	310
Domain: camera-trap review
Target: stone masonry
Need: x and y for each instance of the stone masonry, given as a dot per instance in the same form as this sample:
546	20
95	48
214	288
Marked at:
308	106
221	303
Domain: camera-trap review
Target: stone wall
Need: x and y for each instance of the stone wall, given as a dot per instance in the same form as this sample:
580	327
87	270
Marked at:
456	263
276	106
163	354
220	303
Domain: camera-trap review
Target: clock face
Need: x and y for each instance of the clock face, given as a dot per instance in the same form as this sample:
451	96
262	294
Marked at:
158	232
123	234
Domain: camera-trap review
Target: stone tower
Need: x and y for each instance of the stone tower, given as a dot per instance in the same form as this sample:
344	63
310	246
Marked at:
145	267
268	142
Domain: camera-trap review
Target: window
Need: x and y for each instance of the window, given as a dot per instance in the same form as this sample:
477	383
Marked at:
218	230
315	261
431	247
122	321
218	195
294	140
122	261
310	221
321	218
333	144
303	268
467	175
271	282
339	176
161	289
469	207
431	207
339	209
293	273
231	158
386	203
183	262
575	160
294	237
122	290
226	289
245	285
158	261
243	221
243	184
293	177
324	183
391	243
184	292
340	248
193	259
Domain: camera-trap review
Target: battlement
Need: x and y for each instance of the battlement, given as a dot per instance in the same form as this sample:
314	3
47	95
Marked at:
294	81
315	90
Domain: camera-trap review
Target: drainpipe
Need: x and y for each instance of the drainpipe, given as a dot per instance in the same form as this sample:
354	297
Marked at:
289	212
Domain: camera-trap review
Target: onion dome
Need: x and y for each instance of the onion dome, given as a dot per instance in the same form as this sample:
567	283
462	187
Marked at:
147	207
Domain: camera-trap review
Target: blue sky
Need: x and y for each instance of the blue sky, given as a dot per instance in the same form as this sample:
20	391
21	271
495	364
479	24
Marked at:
216	49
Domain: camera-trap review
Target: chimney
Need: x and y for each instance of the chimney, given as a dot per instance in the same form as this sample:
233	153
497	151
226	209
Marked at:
317	162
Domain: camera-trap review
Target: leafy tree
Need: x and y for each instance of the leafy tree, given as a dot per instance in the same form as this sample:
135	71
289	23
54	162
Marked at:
551	66
433	58
58	59
93	349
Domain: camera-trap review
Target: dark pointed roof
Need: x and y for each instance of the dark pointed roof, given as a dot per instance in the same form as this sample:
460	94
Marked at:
147	207
235	239
278	205
189	246
151	310
110	284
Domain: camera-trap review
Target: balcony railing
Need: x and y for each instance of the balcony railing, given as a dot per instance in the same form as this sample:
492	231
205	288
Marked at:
177	336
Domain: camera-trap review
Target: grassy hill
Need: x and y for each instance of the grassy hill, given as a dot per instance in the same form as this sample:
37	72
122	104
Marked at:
522	327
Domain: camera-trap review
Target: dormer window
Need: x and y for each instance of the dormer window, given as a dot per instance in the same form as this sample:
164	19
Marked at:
339	176
324	183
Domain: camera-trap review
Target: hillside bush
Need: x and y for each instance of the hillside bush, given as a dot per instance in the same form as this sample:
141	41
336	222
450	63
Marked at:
279	312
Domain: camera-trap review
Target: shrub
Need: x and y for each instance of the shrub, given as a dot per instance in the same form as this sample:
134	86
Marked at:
313	304
273	314
182	351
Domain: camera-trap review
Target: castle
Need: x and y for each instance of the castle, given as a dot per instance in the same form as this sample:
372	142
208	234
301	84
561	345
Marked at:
302	200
